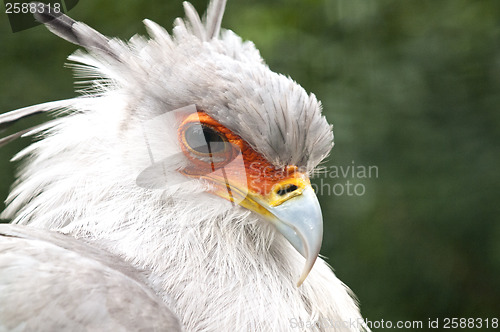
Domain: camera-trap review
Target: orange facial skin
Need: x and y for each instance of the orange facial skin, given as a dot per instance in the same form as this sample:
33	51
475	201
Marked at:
260	177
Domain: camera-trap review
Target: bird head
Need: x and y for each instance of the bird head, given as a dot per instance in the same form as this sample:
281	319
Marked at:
198	112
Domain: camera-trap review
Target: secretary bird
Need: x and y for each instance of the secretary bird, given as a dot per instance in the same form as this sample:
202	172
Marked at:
173	194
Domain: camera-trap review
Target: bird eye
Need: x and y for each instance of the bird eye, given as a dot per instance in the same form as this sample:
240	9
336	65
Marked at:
204	140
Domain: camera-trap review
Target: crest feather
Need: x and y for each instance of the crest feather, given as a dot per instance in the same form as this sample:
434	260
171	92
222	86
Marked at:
75	32
9	118
215	12
195	21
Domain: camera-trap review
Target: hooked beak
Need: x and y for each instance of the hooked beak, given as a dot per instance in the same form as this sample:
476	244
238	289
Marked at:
291	206
300	221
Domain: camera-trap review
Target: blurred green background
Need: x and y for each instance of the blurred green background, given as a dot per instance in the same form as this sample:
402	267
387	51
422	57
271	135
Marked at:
411	87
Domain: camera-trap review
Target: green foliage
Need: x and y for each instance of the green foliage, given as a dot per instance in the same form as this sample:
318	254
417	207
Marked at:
411	87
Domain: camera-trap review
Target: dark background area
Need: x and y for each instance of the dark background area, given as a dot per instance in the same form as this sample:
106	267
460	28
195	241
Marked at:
411	87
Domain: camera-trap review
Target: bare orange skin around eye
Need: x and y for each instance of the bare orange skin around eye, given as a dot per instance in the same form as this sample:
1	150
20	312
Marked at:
261	175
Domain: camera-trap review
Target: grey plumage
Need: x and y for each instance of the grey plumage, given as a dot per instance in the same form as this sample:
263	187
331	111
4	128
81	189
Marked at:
69	285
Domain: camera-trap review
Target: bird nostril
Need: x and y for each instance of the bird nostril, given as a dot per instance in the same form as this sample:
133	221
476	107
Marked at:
288	189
